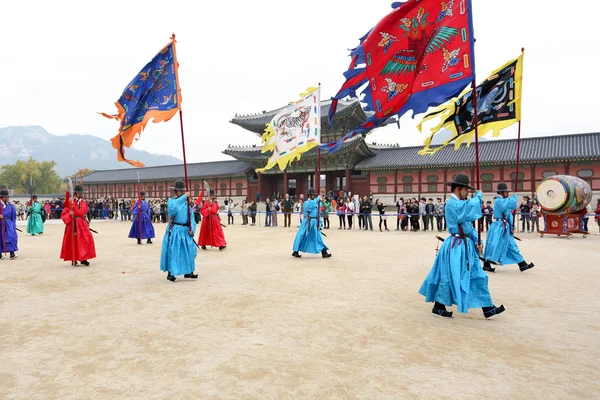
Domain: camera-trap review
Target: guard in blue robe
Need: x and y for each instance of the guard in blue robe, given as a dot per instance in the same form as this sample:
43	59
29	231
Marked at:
500	245
178	255
456	276
147	227
309	238
8	225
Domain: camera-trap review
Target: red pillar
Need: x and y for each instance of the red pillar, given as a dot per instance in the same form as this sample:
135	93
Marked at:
260	185
395	186
445	181
229	186
348	179
419	185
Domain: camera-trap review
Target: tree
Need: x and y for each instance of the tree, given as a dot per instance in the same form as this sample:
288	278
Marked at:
31	176
81	173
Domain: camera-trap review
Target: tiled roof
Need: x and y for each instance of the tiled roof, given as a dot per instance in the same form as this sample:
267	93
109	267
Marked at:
585	146
255	152
169	172
257	122
349	114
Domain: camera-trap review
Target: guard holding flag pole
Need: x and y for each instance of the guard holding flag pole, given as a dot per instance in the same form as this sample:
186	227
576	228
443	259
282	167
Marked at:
144	229
178	254
309	238
456	276
500	245
8	218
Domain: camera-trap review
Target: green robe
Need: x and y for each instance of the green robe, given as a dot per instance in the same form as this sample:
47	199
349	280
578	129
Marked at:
34	222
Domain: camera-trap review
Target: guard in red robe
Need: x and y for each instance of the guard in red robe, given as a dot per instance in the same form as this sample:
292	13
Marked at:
211	232
76	211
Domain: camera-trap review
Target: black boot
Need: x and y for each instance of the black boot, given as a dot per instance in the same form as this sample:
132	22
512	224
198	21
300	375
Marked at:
139	241
85	262
149	241
203	247
325	254
489	312
191	276
439	310
171	277
296	254
12	255
222	247
488	267
523	266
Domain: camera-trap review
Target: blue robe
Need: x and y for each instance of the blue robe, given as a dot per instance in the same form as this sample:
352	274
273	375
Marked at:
456	276
9	233
178	254
147	227
500	245
309	238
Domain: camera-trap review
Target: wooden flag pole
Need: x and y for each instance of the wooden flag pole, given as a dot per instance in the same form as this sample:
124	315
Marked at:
318	177
474	89
518	145
185	172
139	211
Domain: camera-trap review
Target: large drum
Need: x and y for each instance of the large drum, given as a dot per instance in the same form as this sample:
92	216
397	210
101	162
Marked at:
563	194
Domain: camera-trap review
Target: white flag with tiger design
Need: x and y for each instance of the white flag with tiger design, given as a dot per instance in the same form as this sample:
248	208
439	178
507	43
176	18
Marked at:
294	130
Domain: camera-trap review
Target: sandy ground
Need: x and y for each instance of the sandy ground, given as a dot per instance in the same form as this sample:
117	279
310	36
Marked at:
259	324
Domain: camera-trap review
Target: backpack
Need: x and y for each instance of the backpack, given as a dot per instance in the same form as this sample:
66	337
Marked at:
43	214
277	208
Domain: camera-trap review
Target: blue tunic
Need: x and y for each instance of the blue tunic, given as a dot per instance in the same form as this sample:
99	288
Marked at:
500	245
456	276
9	233
309	238
178	254
147	228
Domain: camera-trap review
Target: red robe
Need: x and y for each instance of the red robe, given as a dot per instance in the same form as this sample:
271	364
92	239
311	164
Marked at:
84	242
211	232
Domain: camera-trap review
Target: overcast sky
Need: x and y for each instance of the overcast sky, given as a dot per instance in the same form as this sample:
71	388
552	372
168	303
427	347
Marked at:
63	61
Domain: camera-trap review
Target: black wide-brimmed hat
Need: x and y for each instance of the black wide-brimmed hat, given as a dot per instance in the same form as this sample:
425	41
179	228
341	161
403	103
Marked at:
78	189
461	180
311	191
502	187
211	193
4	193
179	186
34	196
142	194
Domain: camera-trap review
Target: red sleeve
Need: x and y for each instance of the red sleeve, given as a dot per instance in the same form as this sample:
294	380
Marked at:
82	209
66	214
204	210
215	208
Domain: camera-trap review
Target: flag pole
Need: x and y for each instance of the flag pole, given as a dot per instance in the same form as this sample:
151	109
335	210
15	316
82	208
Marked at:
185	172
519	145
318	180
3	231
139	213
474	88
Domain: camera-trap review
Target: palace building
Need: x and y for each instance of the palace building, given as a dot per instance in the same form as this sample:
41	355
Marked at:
389	172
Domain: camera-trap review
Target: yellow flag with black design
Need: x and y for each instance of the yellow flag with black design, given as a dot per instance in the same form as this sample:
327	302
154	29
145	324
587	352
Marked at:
498	107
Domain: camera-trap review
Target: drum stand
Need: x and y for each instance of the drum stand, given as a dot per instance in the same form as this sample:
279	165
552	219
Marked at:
565	225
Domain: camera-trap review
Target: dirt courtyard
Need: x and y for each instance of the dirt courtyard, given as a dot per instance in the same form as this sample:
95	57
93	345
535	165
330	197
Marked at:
259	324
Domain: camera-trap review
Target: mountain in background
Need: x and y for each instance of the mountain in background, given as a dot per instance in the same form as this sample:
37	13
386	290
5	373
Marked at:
71	152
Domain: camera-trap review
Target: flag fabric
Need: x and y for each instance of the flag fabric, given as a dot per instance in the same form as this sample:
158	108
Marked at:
294	130
498	107
419	55
153	94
